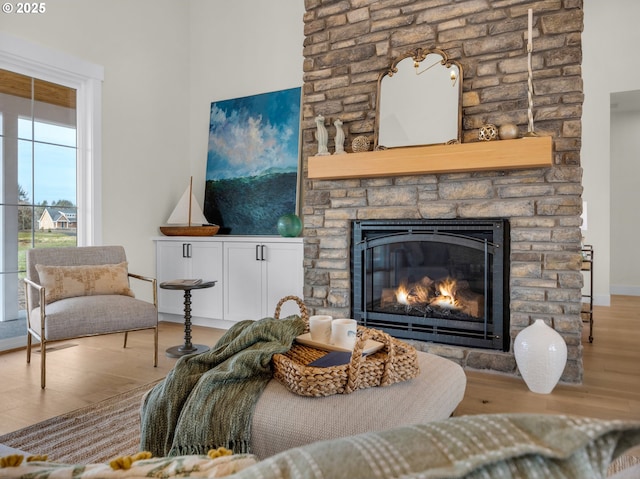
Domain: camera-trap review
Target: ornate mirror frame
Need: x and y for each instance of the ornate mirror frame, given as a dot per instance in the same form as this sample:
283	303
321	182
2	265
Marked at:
401	123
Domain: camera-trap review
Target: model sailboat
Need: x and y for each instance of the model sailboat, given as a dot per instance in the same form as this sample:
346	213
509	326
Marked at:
187	218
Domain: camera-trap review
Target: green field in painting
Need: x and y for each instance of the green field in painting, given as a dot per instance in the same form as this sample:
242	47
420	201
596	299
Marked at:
250	206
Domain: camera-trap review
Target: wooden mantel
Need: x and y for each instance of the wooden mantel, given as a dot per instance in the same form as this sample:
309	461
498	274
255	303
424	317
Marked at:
531	152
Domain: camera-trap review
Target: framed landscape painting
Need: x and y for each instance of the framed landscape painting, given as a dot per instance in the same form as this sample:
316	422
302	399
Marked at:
252	162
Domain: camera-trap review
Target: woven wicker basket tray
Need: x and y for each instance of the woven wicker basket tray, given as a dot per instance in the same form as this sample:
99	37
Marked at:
395	362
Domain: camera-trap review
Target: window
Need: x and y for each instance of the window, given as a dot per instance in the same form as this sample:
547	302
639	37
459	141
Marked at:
56	142
38	163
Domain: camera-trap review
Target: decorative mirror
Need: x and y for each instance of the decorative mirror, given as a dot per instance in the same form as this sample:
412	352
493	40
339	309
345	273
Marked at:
419	101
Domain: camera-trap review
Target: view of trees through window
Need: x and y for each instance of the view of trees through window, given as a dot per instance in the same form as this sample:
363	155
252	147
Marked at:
38	192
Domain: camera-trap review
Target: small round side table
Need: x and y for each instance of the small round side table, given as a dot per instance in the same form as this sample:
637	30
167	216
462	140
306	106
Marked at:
186	286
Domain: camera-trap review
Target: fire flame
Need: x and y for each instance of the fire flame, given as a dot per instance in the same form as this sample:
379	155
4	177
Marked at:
416	294
441	294
402	295
446	297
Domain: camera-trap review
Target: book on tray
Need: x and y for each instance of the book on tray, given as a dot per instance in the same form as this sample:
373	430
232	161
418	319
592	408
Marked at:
184	282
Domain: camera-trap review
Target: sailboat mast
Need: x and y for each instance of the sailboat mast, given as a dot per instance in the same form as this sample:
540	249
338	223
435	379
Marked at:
190	196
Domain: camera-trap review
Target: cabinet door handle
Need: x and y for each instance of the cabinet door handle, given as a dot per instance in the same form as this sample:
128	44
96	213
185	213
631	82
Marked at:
263	248
257	252
186	250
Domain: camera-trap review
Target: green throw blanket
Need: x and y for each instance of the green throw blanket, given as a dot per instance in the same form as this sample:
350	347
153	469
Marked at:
207	400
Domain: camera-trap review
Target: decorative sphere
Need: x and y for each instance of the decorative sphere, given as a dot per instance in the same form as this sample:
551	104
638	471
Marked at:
488	132
360	143
508	131
289	225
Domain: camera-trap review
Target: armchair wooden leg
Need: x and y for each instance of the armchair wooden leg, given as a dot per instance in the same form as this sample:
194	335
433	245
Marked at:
125	339
28	347
155	347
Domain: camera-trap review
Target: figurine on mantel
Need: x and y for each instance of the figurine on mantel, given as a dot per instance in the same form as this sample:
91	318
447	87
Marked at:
339	140
323	137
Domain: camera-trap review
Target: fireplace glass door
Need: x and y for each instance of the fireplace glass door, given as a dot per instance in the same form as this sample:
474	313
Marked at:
441	282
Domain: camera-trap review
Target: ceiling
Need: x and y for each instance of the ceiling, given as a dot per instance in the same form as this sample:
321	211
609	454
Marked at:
21	86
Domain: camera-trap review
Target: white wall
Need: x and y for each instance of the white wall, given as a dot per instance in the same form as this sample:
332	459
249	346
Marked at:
608	66
239	48
165	61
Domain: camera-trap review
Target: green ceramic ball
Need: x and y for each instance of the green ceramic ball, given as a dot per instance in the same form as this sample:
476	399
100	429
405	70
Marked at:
289	225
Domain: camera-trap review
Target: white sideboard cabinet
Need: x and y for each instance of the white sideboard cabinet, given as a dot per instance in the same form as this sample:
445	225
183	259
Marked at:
252	272
257	274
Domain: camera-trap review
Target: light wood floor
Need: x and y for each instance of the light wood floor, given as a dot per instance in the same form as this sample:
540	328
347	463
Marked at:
611	382
84	371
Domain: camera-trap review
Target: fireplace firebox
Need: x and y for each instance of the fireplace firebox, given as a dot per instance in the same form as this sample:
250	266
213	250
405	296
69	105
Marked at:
443	281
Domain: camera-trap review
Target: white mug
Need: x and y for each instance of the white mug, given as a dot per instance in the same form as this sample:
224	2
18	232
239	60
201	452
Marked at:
343	333
320	328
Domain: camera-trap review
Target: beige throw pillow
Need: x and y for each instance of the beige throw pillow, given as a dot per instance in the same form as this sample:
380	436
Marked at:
69	281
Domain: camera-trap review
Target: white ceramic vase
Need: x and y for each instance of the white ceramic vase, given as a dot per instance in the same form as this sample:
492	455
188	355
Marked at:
541	355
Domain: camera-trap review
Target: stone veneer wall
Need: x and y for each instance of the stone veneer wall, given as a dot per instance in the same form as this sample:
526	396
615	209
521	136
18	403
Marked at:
348	43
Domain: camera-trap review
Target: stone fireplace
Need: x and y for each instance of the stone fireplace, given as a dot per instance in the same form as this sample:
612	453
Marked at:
348	44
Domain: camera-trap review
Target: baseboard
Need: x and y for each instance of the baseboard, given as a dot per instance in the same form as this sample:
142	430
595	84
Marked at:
13	343
602	300
599	300
625	289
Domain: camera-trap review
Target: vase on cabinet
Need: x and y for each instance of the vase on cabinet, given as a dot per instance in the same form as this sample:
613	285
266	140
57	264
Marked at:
289	225
541	355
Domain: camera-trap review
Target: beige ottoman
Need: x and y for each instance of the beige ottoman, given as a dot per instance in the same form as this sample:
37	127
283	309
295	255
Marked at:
283	420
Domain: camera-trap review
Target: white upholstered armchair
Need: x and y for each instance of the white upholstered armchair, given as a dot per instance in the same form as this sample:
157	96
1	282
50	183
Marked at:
83	291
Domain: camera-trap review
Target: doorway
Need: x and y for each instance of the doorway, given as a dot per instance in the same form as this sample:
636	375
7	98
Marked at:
38	189
625	170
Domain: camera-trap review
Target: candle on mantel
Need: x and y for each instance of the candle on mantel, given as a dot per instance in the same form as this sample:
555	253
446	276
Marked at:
530	32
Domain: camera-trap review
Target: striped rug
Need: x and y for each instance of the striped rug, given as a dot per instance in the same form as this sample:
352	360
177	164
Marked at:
95	433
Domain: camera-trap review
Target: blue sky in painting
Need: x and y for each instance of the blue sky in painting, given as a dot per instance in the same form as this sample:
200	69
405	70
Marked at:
253	135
